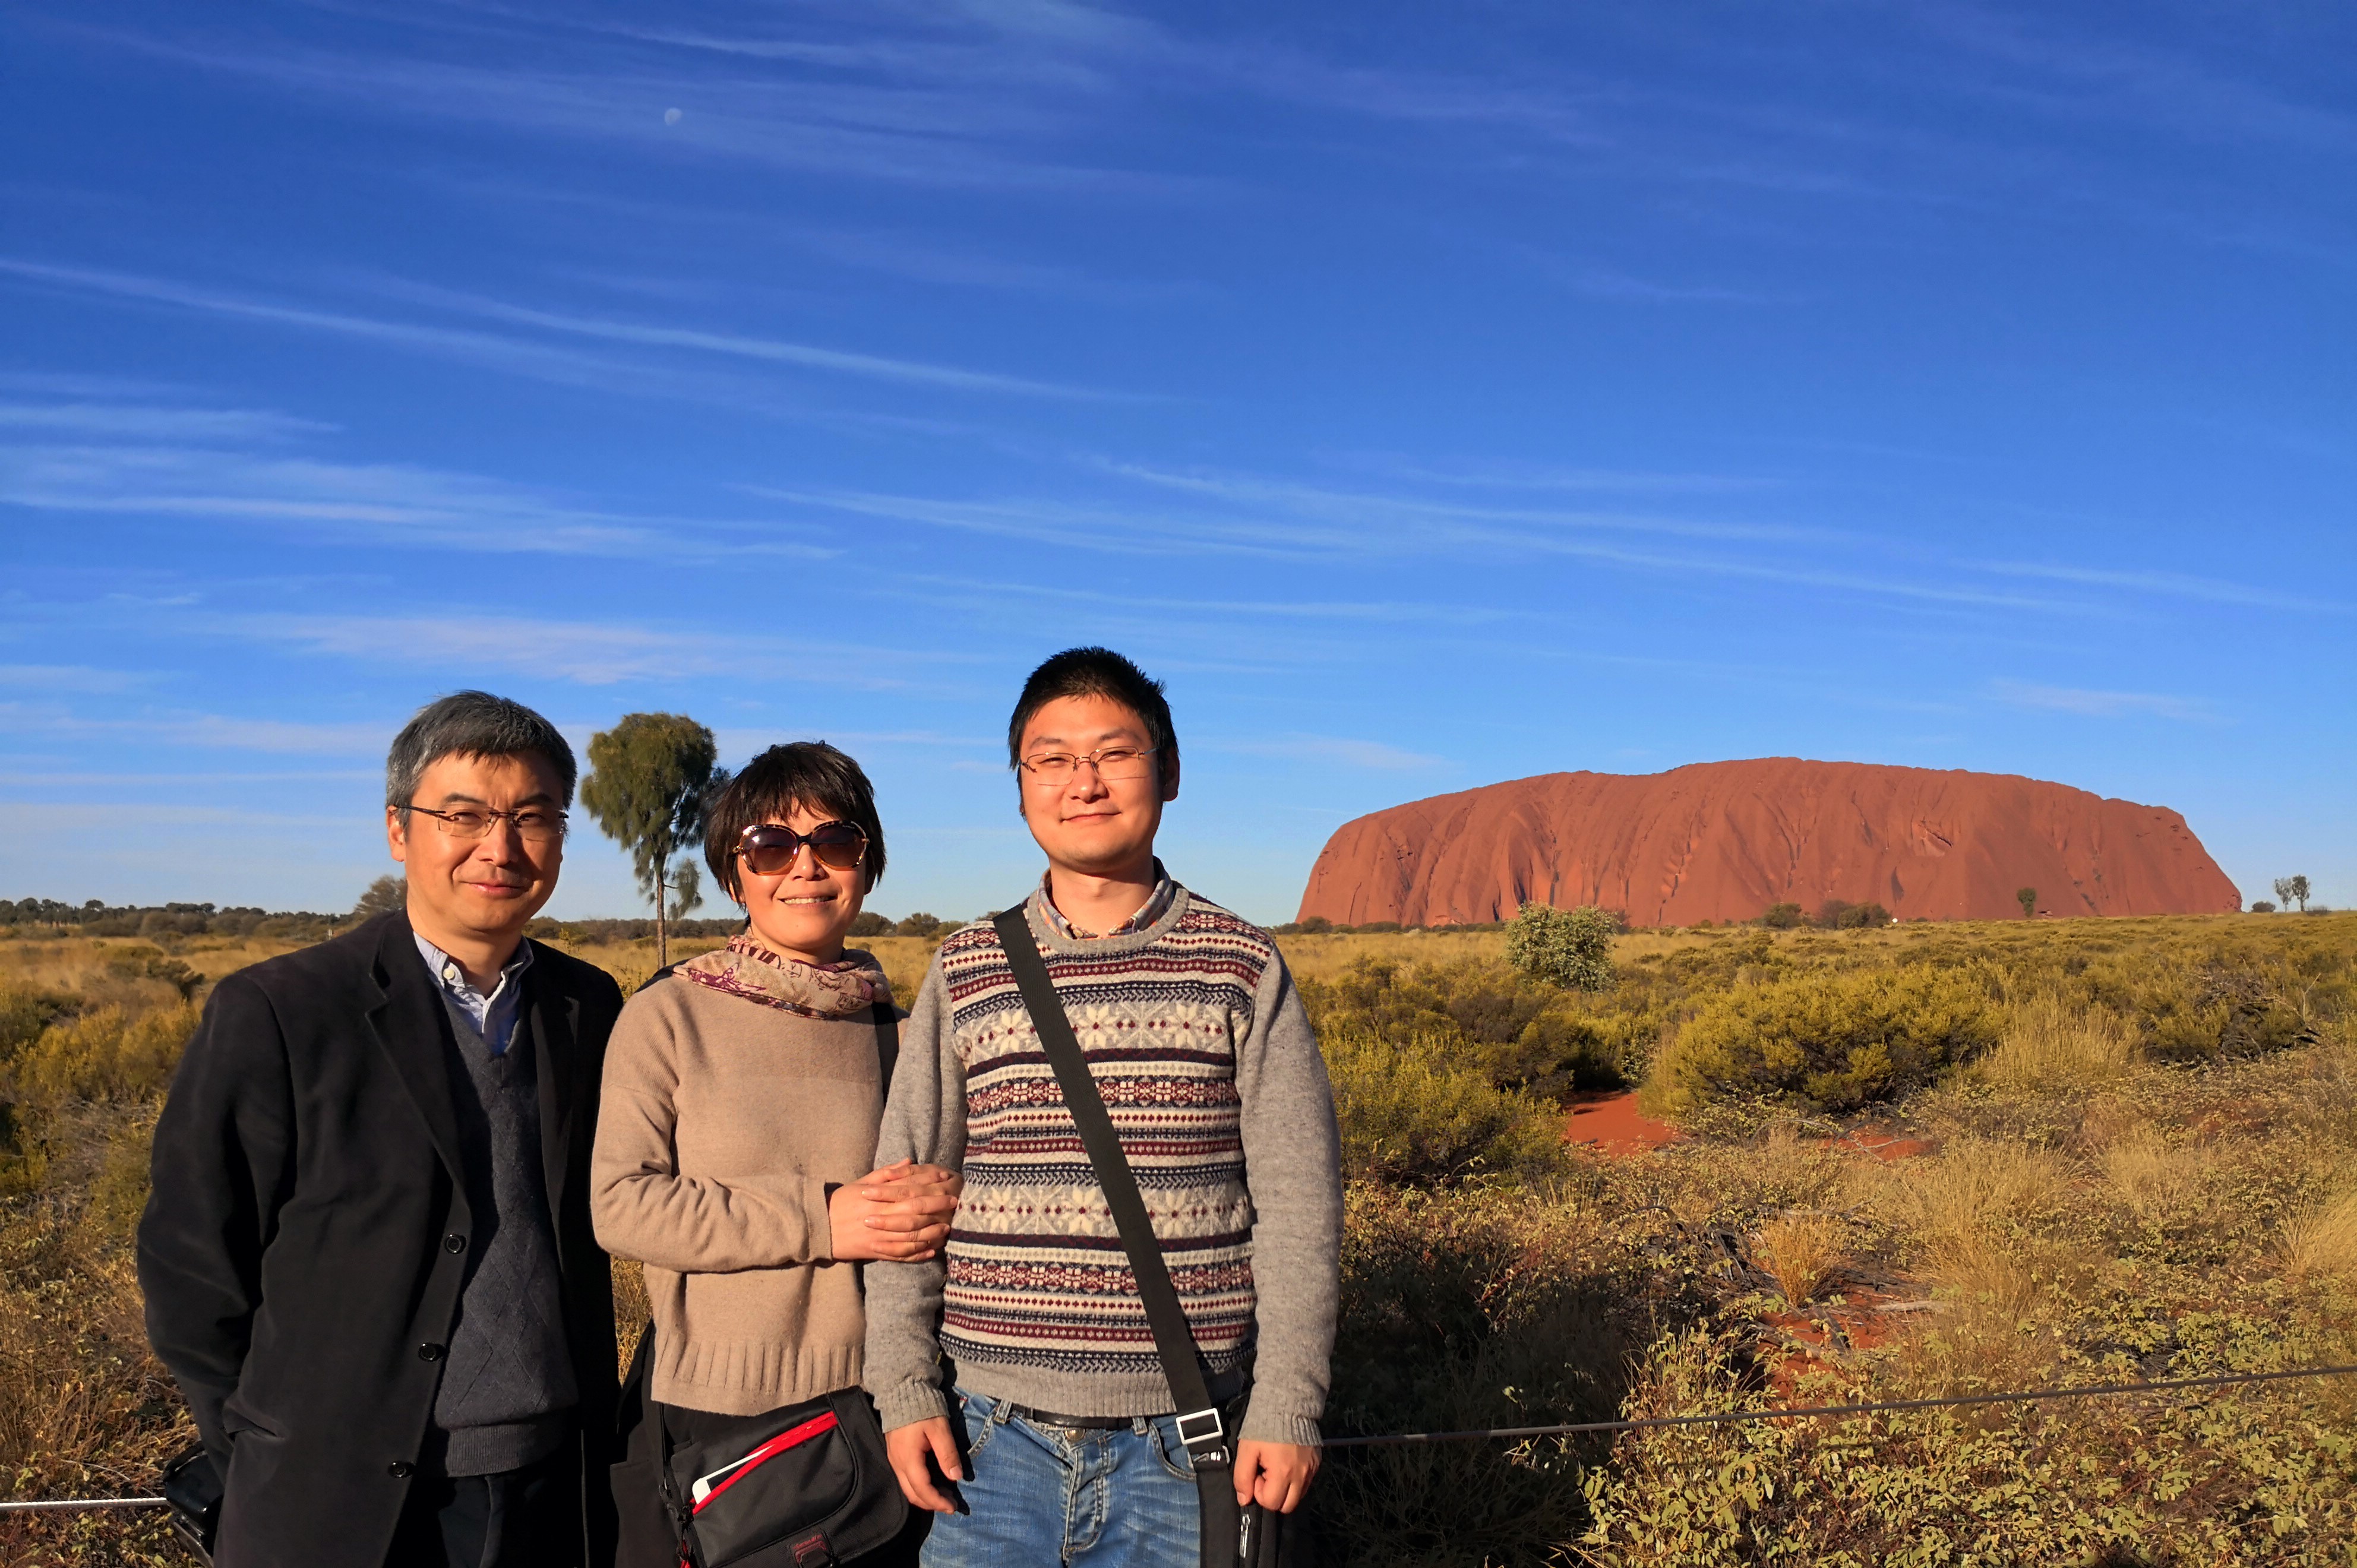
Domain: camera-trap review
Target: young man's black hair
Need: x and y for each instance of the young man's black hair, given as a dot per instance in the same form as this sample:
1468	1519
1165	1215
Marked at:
1094	673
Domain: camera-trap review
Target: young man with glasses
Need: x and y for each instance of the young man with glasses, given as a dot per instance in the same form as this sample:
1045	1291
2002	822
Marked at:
1020	1389
368	1258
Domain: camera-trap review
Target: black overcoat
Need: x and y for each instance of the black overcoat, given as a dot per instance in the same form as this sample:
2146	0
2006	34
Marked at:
304	1247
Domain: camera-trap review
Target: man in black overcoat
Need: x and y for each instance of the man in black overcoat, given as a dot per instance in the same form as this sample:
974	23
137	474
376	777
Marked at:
368	1258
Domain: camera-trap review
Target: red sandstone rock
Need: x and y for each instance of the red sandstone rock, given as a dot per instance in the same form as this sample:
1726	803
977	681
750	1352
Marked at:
1723	841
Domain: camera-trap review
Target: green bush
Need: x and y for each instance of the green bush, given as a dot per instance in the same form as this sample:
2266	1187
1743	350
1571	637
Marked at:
1782	917
25	1012
1412	1112
1518	1031
1570	948
105	1055
1832	1042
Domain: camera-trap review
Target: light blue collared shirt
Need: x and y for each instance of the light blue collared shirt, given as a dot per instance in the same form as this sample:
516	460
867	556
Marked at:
492	1016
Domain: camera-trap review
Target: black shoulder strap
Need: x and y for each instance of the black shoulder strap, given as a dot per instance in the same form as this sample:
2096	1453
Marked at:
887	1044
1198	1420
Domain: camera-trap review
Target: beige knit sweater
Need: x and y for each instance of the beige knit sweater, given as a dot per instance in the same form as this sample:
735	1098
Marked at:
723	1124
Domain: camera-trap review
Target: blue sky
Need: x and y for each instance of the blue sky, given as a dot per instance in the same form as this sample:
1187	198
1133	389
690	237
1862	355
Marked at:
1432	396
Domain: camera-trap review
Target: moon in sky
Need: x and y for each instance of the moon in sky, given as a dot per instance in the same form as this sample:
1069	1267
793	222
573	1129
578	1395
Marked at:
671	117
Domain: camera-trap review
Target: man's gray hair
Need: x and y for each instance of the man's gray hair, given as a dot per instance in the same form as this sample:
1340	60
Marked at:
472	723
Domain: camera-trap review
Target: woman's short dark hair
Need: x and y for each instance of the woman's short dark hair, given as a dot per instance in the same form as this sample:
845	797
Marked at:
1094	673
808	773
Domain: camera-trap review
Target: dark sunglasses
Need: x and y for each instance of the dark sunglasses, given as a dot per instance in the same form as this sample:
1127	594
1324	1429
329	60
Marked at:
769	849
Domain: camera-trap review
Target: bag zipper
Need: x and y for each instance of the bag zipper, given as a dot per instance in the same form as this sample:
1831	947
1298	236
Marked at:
704	1491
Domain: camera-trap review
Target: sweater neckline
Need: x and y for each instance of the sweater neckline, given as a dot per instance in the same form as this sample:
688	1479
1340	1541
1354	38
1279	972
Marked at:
1044	931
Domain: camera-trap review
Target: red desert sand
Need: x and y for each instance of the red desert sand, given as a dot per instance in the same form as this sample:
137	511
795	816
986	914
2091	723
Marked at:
1724	841
1609	1121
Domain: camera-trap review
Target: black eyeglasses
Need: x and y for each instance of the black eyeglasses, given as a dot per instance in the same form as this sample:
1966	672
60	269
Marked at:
769	848
534	824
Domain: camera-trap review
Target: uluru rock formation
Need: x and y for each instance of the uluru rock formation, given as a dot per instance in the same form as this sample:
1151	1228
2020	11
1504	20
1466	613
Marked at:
1723	841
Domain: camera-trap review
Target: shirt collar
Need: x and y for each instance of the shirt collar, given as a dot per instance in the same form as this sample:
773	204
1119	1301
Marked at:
453	979
1157	904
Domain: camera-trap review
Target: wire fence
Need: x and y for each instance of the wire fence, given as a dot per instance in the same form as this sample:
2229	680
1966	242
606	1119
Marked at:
1636	1423
1715	1418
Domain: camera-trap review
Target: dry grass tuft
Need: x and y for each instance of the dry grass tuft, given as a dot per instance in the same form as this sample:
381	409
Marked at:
2047	1044
1801	1252
1976	1188
2152	1174
2322	1242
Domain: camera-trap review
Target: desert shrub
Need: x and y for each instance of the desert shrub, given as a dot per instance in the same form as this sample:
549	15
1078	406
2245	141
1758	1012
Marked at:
1781	916
2253	1474
1462	1310
869	923
25	1012
106	1054
1412	1111
1519	1031
1837	914
2262	906
1569	947
2218	1009
1831	1042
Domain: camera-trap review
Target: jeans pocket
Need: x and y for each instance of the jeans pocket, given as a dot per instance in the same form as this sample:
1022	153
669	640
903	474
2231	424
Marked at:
973	1413
1170	1451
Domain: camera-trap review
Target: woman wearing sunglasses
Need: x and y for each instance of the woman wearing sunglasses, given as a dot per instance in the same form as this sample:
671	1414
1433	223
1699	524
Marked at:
742	1094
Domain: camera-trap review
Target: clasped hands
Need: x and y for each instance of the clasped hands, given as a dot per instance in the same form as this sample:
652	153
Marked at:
899	1213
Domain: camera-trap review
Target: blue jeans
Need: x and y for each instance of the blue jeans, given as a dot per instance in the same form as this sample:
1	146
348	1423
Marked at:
1041	1496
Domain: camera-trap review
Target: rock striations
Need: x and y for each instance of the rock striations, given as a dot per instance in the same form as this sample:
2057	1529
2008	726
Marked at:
1723	841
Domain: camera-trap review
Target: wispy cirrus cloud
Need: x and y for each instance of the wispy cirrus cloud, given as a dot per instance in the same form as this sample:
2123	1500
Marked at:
530	356
2102	705
588	653
1373	755
2169	585
207	731
77	680
155	422
981	98
1404	529
396	503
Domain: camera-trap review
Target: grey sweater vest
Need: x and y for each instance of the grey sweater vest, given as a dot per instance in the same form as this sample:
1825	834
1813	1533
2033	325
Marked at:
507	1390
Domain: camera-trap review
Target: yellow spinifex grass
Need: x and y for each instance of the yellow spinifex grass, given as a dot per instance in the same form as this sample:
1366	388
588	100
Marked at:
2322	1241
1800	1253
2048	1044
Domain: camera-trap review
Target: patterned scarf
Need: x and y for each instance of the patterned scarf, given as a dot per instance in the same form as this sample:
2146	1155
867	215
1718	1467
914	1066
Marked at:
744	968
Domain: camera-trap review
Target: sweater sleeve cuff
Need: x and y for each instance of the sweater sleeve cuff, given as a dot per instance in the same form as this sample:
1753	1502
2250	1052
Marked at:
818	1200
910	1404
1277	1426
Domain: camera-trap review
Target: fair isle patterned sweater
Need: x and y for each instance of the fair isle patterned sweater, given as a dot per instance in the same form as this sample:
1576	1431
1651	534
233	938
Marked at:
1212	1079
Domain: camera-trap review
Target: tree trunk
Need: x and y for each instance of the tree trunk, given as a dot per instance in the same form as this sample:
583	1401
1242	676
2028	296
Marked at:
663	897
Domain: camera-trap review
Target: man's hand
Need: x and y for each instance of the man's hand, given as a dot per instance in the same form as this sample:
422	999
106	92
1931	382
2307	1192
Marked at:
1273	1475
900	1213
914	1450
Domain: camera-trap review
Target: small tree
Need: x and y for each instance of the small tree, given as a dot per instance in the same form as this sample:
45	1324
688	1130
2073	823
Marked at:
2283	891
652	777
2260	907
2299	892
385	895
2027	898
1570	948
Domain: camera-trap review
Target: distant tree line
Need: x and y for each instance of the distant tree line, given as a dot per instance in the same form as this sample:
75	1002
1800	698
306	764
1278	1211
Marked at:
99	918
1833	915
